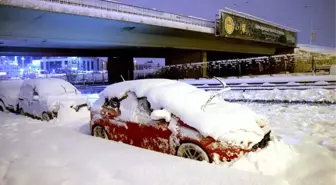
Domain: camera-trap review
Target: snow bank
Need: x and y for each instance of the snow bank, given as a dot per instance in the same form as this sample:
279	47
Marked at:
67	114
272	160
220	119
36	153
310	95
310	130
318	49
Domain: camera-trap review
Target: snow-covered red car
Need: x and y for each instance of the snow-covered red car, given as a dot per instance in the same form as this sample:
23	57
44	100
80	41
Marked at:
177	118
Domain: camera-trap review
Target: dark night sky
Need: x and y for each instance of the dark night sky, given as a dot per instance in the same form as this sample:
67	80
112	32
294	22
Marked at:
292	13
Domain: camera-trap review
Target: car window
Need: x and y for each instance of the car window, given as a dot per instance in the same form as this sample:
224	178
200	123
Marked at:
26	91
133	109
144	106
35	93
111	103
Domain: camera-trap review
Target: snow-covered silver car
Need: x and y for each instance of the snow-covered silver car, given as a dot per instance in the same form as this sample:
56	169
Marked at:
43	97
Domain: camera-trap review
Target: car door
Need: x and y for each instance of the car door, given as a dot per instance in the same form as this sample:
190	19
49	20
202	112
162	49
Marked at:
35	104
130	120
154	134
117	119
27	103
25	97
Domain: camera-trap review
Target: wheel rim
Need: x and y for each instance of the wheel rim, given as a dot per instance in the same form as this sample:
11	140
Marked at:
45	117
99	131
192	151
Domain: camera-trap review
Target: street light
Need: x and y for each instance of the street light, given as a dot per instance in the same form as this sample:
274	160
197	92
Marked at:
312	34
22	59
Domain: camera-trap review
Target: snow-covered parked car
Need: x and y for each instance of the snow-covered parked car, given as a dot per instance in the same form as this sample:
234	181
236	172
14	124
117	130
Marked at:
9	94
43	97
177	118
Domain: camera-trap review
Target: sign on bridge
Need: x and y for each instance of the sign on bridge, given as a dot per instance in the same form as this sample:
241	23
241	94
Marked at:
237	25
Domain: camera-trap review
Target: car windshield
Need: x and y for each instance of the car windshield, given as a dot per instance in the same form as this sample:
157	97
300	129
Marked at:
58	88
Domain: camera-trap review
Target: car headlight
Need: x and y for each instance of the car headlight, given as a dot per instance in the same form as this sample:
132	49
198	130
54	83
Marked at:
55	107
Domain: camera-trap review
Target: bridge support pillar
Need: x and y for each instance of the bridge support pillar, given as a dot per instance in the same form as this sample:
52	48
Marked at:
204	66
120	66
188	56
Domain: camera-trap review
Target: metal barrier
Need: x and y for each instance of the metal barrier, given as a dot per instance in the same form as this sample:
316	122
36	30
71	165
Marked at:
135	10
233	67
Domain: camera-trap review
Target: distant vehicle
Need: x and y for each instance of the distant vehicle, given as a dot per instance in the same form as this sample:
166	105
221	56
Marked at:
43	97
177	118
40	98
9	94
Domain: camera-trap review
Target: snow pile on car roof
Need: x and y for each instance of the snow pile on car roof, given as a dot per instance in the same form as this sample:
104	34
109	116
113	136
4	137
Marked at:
220	119
52	86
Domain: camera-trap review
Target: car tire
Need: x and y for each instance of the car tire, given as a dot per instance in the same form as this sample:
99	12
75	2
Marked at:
3	107
192	151
99	131
21	112
46	117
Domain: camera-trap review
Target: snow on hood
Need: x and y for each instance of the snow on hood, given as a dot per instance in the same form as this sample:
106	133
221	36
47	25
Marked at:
66	100
220	119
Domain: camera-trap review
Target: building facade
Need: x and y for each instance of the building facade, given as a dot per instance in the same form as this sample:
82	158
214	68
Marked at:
63	64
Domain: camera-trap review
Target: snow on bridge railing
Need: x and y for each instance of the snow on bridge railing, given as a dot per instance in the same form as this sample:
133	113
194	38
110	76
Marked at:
135	10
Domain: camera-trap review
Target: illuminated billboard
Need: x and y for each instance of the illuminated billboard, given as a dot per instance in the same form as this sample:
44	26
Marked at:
245	27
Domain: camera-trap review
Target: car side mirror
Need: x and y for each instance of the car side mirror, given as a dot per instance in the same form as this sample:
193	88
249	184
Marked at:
36	97
161	114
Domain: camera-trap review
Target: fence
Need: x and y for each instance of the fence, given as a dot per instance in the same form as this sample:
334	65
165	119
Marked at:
234	67
268	65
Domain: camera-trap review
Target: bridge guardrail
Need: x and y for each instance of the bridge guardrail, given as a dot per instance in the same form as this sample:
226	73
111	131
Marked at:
136	10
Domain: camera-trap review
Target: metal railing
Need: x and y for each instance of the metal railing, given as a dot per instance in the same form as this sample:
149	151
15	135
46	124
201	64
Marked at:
135	10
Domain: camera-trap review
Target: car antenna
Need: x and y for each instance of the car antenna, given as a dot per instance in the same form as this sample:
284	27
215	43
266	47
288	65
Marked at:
216	93
122	77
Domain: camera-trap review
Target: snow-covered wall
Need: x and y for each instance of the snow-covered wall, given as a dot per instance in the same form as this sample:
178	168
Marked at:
304	15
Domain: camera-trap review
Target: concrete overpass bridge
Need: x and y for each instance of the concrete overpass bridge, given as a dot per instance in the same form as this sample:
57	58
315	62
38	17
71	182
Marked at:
104	28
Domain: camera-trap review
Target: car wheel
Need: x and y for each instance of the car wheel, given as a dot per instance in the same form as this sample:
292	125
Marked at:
192	151
45	117
2	107
99	131
21	111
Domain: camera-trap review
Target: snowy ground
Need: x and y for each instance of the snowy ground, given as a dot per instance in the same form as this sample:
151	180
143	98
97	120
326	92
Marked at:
39	153
311	131
62	152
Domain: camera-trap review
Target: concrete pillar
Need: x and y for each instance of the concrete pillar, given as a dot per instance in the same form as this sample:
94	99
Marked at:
83	65
204	66
183	57
117	66
281	51
89	66
187	56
